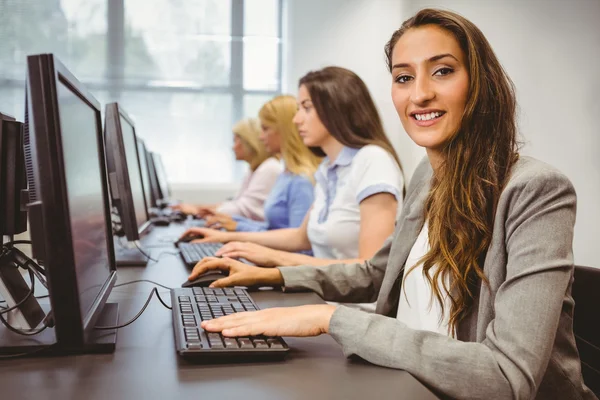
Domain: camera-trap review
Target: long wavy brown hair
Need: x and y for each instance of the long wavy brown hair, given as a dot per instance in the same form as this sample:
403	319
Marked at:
476	164
345	107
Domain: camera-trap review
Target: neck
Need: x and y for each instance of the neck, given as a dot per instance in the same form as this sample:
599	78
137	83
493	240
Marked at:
332	148
435	158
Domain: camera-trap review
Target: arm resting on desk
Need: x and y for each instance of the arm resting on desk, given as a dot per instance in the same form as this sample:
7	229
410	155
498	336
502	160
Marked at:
349	283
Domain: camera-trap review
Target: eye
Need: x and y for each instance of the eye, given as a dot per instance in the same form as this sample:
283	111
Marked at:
403	78
443	71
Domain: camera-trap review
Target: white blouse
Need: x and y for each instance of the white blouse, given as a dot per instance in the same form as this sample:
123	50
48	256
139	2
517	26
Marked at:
250	200
418	307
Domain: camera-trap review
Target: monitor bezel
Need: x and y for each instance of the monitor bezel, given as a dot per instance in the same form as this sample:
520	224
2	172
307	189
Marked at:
50	201
13	182
115	151
147	190
154	189
163	185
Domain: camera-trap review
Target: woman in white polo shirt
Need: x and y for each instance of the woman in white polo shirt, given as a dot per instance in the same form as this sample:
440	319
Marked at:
359	185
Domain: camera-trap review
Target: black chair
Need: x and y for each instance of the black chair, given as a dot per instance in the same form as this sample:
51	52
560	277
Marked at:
586	323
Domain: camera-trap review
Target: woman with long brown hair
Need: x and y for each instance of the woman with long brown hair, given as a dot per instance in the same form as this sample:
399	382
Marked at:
474	289
358	185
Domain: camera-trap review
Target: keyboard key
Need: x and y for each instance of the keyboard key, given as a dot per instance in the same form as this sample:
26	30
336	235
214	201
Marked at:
274	344
260	344
194	345
245	343
231	343
184	299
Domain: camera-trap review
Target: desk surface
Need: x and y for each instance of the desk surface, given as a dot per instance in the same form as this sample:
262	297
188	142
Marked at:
145	364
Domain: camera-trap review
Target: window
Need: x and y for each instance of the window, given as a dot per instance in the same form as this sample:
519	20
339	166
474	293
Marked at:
185	71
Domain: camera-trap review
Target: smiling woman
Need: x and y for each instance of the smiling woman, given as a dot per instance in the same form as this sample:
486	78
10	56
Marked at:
474	288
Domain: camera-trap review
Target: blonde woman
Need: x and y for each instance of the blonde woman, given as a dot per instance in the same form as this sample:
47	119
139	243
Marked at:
293	192
257	184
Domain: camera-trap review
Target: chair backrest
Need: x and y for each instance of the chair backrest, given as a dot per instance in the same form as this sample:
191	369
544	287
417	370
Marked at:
586	323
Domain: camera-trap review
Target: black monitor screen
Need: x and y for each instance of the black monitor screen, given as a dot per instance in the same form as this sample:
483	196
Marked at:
135	179
161	176
145	174
85	197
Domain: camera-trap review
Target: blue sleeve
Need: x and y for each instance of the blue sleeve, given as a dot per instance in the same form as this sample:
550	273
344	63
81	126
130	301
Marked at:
249	225
300	199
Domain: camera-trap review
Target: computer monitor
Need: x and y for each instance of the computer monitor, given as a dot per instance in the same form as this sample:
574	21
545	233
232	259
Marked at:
161	177
154	187
125	176
141	147
69	210
13	182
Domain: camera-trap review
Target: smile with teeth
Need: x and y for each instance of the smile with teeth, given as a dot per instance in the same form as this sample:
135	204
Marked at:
428	116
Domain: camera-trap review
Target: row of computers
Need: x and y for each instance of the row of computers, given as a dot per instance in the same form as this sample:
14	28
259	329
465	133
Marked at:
78	185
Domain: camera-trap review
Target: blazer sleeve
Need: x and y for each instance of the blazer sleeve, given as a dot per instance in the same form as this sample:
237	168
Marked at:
511	360
347	283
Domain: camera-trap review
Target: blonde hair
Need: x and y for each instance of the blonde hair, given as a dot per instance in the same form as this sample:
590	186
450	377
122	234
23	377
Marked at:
248	130
278	113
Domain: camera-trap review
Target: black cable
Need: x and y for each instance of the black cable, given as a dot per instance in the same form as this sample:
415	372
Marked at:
143	253
37	351
13	242
20	303
154	290
142	280
19	331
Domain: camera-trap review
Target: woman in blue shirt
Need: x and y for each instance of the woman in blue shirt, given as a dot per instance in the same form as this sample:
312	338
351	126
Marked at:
293	192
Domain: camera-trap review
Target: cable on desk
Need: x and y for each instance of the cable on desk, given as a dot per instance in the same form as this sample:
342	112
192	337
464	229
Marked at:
144	253
142	280
154	291
171	253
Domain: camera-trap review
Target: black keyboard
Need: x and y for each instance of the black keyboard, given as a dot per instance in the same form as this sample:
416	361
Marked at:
194	252
194	305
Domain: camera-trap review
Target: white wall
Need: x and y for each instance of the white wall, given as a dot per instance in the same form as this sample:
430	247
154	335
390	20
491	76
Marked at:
551	50
349	34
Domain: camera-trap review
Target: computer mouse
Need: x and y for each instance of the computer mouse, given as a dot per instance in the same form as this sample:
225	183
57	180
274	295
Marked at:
178	216
189	237
160	221
205	279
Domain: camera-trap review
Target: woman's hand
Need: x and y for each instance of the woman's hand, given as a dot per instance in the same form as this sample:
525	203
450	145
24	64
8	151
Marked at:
255	253
310	320
188	209
206	235
240	274
219	220
205	211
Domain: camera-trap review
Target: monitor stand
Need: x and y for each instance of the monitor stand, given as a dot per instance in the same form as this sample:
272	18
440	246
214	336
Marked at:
130	255
99	342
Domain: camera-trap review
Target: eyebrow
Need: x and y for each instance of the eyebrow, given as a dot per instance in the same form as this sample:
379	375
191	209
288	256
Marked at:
304	101
432	59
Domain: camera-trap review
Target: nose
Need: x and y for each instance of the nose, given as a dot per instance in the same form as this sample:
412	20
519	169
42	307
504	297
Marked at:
296	119
422	90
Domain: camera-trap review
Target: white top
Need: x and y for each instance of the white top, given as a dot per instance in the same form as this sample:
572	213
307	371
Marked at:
256	186
334	221
418	307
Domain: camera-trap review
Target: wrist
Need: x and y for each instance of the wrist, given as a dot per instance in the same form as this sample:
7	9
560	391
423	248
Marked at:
271	276
326	315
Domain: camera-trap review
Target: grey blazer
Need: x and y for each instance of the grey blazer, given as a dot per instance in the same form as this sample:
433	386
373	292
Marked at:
518	342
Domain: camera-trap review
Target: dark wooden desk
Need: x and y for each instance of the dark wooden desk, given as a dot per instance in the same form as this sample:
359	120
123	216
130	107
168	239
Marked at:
145	365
